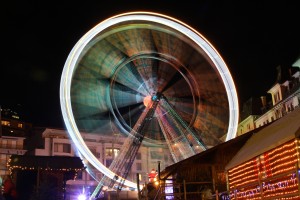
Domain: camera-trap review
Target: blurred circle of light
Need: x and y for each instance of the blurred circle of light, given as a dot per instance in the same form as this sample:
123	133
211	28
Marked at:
147	100
66	78
81	197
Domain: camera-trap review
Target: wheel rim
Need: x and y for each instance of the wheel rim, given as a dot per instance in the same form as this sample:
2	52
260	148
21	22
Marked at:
118	64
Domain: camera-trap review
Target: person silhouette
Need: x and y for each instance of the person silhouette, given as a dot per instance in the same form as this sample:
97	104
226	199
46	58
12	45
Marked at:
9	189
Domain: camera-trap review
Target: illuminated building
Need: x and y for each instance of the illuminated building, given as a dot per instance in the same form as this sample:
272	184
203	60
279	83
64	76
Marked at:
57	143
283	97
13	132
20	138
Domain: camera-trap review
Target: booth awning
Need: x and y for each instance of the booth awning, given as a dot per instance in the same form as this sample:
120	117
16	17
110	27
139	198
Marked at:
45	162
275	134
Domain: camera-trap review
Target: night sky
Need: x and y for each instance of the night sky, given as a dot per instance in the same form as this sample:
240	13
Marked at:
253	37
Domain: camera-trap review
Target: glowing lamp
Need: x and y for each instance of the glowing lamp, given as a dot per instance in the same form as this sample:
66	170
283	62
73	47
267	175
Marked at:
81	197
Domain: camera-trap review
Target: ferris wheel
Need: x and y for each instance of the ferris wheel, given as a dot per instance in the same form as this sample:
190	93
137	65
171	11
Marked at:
155	79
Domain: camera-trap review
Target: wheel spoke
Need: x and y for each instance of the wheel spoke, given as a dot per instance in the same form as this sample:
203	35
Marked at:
132	61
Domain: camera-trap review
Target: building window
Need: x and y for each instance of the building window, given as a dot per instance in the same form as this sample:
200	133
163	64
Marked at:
4	144
276	97
13	144
63	148
79	175
66	148
5	123
112	152
55	147
139	166
138	156
3	159
20	125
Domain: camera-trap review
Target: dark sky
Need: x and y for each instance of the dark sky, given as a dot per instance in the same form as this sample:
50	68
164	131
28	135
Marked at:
253	37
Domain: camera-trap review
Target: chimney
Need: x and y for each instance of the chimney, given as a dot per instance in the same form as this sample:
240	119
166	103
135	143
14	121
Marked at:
279	74
290	73
263	101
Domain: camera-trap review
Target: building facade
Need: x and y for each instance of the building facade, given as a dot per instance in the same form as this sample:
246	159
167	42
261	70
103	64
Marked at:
13	133
21	138
282	98
105	148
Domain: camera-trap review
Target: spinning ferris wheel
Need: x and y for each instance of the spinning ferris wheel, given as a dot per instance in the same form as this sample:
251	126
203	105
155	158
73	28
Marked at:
154	78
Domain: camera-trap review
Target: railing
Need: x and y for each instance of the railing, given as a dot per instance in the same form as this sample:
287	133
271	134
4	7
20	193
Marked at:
10	146
180	190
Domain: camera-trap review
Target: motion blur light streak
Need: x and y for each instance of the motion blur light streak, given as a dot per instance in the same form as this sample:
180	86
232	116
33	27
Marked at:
127	61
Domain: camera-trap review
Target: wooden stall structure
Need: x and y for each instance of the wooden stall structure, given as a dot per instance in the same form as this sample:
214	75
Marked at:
201	176
43	177
267	167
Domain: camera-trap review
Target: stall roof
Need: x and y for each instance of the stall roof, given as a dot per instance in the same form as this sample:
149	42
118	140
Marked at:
237	142
275	134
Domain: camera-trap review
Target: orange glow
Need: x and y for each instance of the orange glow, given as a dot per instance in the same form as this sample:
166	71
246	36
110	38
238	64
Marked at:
147	100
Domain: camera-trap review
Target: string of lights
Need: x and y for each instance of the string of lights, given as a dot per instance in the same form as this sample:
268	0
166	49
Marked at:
269	175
